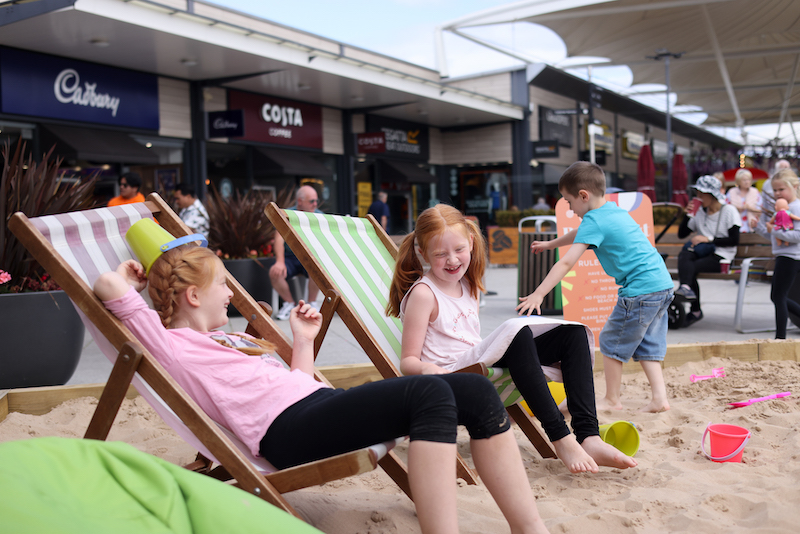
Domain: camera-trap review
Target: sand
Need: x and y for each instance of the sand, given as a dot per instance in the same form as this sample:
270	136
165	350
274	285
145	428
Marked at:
674	489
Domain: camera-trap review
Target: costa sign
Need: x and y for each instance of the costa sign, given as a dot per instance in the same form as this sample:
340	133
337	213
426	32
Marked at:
371	143
47	86
275	120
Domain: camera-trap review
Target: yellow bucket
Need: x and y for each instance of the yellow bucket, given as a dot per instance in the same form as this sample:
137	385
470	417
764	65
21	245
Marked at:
148	241
145	238
621	435
556	390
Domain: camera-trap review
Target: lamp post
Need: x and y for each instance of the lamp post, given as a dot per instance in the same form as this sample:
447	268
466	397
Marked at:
666	55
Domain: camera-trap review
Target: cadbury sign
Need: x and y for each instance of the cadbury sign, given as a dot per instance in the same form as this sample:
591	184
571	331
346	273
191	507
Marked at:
53	87
269	119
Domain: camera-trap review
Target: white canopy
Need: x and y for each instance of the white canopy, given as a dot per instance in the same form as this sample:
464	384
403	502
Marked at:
739	58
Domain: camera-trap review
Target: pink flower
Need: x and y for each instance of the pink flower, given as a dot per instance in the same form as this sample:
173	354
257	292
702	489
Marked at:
4	277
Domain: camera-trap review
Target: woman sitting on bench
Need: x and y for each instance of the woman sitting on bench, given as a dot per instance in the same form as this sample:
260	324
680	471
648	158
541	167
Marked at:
716	236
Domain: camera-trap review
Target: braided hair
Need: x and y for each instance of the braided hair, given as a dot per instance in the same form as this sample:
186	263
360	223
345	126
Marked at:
177	269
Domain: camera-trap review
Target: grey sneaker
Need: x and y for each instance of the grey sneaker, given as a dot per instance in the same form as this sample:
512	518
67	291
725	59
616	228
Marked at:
285	311
686	293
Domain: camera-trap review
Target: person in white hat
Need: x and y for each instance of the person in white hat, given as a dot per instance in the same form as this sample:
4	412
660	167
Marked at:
715	236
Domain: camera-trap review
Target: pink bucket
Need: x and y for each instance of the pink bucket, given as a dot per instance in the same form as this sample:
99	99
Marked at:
726	442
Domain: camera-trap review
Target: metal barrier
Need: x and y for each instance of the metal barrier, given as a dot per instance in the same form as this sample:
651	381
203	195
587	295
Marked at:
532	269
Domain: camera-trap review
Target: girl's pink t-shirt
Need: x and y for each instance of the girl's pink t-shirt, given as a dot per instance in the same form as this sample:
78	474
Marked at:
242	393
455	330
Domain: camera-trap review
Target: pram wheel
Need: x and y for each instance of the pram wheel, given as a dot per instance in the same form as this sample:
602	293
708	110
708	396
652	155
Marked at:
676	313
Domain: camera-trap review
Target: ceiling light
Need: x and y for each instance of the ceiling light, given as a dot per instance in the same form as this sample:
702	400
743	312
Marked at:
357	98
100	42
188	62
423	112
148	145
303	87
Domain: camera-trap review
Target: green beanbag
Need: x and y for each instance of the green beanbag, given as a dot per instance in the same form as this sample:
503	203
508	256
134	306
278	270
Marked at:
84	486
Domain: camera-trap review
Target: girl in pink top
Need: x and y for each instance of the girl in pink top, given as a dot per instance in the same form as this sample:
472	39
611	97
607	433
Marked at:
287	417
441	333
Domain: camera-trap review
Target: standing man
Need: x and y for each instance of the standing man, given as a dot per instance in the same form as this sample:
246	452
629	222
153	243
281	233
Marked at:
192	212
286	263
380	210
129	184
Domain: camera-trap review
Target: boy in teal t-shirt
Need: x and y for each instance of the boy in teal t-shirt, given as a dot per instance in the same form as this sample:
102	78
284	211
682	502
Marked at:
637	326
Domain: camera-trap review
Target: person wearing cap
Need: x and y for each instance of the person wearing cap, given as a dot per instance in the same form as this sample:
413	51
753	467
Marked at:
715	236
129	184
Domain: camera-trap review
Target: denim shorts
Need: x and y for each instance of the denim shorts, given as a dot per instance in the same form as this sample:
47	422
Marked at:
637	327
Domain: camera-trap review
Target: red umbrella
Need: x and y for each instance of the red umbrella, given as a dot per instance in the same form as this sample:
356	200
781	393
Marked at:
646	173
679	181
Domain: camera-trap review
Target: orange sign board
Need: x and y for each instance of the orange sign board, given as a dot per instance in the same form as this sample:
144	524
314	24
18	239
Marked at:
588	294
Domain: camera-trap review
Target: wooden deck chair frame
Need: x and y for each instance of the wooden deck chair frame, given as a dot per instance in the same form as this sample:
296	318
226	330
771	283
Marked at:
132	358
376	353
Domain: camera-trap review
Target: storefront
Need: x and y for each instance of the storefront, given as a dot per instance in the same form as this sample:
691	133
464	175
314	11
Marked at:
98	119
393	157
279	148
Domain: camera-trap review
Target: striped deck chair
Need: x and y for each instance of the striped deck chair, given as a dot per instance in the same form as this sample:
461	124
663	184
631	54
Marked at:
352	260
75	248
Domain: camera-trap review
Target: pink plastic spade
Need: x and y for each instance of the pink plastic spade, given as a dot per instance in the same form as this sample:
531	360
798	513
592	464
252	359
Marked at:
719	372
742	404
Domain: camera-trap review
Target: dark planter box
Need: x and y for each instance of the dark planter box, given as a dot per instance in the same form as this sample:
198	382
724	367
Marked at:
254	277
42	337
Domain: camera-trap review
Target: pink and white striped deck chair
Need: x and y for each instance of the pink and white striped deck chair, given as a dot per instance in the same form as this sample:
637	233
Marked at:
75	248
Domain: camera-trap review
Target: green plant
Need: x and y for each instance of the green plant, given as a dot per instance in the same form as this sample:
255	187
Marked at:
35	189
662	215
511	218
239	227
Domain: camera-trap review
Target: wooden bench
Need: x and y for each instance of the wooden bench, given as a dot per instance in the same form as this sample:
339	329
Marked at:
753	261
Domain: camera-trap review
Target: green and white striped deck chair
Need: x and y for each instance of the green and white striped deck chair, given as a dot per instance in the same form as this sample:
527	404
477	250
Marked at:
355	258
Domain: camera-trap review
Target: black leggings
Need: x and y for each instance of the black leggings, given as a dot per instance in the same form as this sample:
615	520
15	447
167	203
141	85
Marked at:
427	408
689	265
782	279
566	344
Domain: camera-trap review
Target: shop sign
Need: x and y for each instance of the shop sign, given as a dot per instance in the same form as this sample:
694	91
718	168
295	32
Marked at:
604	141
228	123
660	150
554	124
371	143
545	149
268	119
632	144
403	139
59	88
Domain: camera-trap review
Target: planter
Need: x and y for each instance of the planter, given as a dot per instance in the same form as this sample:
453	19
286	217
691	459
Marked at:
42	339
253	275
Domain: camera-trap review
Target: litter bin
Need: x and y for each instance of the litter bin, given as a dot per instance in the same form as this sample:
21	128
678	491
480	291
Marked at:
533	268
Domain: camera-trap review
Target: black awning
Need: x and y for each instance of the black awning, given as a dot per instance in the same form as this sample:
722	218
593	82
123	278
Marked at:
403	171
274	162
106	146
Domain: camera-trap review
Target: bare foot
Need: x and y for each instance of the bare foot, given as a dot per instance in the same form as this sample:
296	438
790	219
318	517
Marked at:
574	456
655	407
605	404
606	455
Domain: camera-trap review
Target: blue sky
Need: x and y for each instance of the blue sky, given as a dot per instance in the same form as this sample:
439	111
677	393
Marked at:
404	29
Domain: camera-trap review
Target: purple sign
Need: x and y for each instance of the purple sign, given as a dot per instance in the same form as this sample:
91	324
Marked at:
59	88
226	123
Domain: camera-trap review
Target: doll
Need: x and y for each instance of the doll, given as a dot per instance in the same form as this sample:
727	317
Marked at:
783	219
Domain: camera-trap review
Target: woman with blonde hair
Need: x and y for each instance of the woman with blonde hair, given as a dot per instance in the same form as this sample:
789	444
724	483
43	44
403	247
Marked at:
745	198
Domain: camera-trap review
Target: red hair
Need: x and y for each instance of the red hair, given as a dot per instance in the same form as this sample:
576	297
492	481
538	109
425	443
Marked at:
431	224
